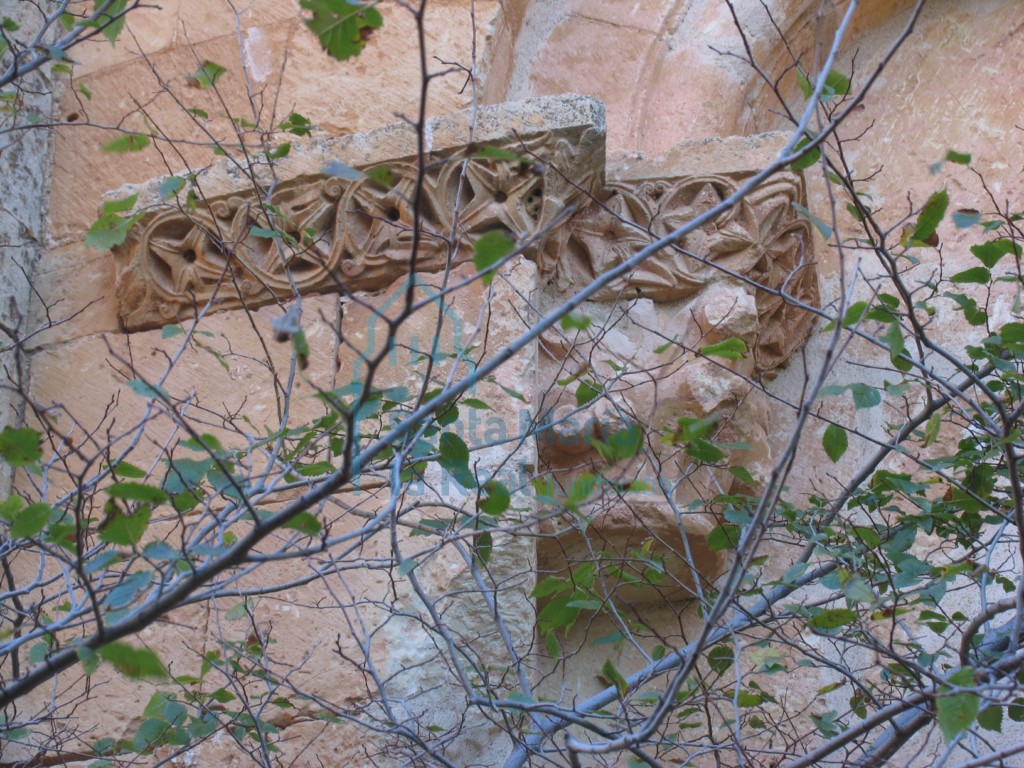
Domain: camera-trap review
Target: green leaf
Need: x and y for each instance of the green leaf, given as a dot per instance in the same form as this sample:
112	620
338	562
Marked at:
621	444
721	658
704	450
960	158
130	142
806	87
125	530
585	393
956	712
972	275
730	349
931	215
992	719
483	546
120	206
749	699
742	474
222	695
724	537
90	661
110	229
170	186
497	499
316	469
811	158
499	153
455	459
964	219
865	396
575	322
128	589
296	124
20	447
825	229
305	523
973	314
140	387
137	492
339	170
382	175
489	250
897	346
10	507
134	663
835	442
476	403
1016	710
343	26
837	84
991	253
447	415
614	677
239	611
31	520
282	151
550	585
832	618
512	393
109	21
207	75
854	313
1012	333
931	428
161	550
300	345
263	232
522	698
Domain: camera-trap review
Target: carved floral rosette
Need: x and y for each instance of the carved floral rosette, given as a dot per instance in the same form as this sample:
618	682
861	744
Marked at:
337	235
762	241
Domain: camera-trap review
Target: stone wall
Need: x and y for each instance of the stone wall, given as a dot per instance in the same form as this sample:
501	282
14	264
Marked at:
685	123
26	158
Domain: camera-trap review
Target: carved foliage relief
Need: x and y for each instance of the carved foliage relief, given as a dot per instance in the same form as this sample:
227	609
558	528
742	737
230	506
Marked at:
352	234
320	226
761	240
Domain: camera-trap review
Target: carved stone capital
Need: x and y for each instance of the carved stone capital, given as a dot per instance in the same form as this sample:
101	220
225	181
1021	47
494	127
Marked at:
761	242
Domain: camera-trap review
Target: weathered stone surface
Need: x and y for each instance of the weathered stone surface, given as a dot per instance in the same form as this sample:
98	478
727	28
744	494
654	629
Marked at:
232	364
269	51
25	175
